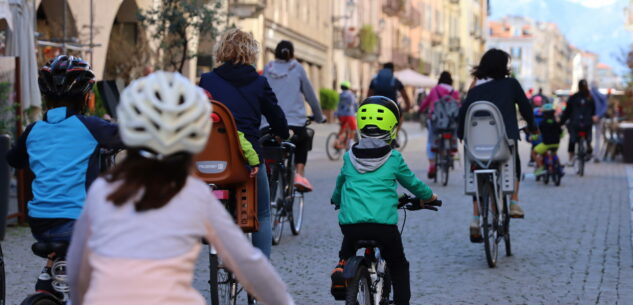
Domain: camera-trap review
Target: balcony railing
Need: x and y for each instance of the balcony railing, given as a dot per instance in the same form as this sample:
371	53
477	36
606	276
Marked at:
393	7
436	39
246	8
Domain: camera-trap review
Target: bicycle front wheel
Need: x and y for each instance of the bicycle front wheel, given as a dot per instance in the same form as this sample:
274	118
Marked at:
358	290
402	139
332	152
296	213
221	283
489	223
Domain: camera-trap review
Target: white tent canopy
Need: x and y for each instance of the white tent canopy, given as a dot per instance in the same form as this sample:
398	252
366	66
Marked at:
409	77
21	42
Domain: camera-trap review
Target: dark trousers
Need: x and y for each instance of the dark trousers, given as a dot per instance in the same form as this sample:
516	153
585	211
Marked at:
390	249
302	144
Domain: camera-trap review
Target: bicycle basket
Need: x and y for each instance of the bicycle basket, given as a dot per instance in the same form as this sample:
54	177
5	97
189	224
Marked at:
485	139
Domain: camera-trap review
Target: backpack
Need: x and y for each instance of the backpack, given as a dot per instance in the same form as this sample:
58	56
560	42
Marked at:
445	114
384	84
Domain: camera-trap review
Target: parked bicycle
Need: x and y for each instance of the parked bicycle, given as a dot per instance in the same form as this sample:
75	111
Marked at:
368	277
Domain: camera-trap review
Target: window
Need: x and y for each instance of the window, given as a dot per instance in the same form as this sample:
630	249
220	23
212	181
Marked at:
515	52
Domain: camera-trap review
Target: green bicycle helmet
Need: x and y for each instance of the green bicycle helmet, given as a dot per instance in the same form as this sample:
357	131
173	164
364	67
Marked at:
346	84
547	107
378	117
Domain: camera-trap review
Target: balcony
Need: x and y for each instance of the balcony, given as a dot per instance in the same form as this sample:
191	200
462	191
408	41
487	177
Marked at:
363	44
400	58
246	8
411	17
436	39
454	44
393	7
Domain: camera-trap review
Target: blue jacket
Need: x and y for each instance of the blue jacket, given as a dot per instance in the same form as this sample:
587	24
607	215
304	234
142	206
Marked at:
601	102
62	151
347	105
248	96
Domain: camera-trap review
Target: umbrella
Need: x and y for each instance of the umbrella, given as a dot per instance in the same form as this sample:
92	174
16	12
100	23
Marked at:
409	77
21	42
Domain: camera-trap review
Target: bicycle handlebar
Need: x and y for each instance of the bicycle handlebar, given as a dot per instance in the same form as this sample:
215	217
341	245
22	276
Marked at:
413	203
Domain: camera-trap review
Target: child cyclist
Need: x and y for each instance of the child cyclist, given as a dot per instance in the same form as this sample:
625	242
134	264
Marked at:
366	193
346	113
62	151
550	137
138	238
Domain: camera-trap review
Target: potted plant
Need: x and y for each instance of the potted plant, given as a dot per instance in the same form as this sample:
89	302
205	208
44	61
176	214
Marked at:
329	101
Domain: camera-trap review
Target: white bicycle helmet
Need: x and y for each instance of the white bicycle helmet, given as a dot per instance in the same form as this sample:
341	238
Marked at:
165	113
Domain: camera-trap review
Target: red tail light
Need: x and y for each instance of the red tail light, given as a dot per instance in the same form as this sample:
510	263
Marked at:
221	194
215	117
447	135
582	134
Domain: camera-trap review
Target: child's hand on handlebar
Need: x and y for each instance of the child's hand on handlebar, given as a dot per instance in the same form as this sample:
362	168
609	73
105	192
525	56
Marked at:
254	171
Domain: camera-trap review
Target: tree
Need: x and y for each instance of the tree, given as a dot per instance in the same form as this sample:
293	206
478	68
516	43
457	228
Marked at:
176	24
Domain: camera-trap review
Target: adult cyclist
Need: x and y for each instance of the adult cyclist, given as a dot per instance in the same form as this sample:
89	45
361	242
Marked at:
62	150
493	83
387	85
291	85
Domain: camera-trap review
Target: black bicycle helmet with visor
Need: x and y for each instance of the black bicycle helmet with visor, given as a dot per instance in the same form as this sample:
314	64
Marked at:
66	78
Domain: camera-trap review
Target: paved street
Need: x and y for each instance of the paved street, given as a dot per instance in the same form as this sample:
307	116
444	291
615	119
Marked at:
573	247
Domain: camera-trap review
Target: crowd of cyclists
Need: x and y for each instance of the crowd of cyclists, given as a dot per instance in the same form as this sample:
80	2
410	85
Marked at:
135	231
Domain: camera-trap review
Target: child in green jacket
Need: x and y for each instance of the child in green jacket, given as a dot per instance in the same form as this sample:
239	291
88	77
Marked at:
366	193
249	153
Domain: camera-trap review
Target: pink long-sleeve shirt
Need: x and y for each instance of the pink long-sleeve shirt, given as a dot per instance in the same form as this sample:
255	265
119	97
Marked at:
436	94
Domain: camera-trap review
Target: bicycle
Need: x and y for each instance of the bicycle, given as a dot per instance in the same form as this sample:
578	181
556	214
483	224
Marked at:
443	156
582	155
402	139
553	168
223	284
367	276
58	273
335	144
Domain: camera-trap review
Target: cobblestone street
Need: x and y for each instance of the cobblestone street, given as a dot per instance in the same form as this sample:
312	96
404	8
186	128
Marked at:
573	247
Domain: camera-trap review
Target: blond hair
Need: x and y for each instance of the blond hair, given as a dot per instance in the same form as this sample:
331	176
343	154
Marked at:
237	47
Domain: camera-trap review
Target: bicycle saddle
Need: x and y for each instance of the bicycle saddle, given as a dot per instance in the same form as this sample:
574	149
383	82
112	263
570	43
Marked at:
367	244
43	249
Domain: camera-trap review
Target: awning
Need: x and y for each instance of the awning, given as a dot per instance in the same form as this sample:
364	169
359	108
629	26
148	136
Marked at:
409	77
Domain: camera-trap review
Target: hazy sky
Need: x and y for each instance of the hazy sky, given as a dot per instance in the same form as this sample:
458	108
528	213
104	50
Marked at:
594	25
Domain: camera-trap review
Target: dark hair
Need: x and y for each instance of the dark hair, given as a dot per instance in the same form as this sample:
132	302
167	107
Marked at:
583	88
159	180
445	78
494	64
285	50
75	104
388	65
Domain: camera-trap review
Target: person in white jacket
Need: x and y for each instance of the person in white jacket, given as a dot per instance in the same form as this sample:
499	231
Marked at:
291	85
139	236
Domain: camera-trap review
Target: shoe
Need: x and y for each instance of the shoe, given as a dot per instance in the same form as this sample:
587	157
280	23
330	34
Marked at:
516	211
45	283
539	171
570	163
596	160
431	172
339	285
475	232
302	184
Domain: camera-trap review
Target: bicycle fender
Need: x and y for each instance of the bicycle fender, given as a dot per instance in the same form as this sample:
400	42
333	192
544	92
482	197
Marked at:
352	266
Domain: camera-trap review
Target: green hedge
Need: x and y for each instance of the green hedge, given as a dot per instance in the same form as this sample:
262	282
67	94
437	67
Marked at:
329	99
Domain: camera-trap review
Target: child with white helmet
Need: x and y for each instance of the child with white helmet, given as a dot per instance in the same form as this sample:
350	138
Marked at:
138	237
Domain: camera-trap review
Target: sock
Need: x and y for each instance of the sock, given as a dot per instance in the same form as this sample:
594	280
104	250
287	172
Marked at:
513	202
476	218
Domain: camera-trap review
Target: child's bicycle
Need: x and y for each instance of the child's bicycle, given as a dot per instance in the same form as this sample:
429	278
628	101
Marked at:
367	276
337	143
553	168
58	274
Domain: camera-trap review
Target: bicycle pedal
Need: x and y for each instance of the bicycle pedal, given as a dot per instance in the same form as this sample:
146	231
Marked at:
517	216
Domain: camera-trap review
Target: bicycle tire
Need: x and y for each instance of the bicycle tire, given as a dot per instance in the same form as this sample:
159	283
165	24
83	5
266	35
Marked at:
506	227
220	283
41	299
386	287
580	158
437	162
3	287
489	225
445	167
546	178
332	153
359	285
296	214
402	138
557	177
277	204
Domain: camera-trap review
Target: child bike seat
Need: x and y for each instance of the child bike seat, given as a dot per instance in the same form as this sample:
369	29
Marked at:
44	249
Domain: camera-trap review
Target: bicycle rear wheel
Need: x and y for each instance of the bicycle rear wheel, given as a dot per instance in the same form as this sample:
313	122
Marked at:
489	223
221	283
506	227
277	204
41	299
358	289
295	214
446	162
332	152
580	158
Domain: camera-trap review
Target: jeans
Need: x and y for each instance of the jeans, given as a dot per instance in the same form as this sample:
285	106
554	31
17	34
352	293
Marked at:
63	232
263	238
391	250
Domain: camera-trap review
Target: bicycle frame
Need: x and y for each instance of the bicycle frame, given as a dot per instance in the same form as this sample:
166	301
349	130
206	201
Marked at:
483	174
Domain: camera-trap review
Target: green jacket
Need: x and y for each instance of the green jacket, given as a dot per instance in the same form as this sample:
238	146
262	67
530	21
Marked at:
372	196
249	152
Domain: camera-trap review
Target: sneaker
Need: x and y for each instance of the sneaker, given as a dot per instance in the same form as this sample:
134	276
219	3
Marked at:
475	232
45	283
339	285
516	211
431	172
539	171
302	184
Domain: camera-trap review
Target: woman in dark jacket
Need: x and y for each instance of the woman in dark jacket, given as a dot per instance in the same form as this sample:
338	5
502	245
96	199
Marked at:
237	85
580	114
493	83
